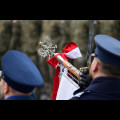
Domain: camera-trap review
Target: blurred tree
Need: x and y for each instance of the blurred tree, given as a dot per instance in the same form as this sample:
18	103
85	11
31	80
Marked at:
115	29
5	36
31	32
15	43
96	31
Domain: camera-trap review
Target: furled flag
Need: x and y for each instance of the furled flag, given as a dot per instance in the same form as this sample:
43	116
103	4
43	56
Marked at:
72	51
66	87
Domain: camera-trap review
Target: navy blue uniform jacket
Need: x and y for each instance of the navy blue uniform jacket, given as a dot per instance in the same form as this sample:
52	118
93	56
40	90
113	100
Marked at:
101	88
22	97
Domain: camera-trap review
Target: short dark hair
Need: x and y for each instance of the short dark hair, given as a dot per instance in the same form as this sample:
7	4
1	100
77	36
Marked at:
109	69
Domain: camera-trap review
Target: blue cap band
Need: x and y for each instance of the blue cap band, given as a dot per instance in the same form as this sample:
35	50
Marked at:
106	57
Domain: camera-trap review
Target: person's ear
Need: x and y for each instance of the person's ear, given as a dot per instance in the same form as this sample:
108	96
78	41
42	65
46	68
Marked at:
6	88
95	68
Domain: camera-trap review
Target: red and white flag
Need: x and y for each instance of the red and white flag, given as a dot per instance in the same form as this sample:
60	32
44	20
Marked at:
66	88
72	51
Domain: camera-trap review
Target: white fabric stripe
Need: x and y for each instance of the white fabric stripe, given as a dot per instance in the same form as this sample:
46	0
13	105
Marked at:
75	53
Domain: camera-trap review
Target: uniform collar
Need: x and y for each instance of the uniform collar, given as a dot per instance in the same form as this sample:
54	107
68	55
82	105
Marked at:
105	85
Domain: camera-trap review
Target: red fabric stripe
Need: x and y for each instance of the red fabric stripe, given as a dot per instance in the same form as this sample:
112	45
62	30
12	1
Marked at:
55	83
69	47
53	62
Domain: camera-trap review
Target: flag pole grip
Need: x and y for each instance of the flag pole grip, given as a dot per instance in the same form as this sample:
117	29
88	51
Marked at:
69	66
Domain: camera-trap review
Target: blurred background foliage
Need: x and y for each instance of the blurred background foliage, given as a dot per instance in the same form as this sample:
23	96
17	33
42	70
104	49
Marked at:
24	35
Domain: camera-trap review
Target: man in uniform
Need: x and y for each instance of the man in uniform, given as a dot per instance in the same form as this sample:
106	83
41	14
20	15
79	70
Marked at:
105	71
19	77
